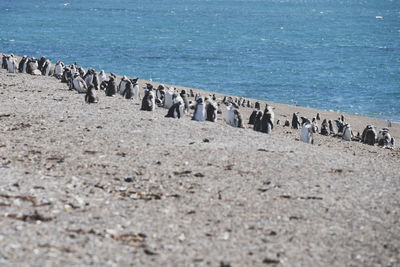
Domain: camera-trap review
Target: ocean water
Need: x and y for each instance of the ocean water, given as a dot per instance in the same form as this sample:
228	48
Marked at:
341	55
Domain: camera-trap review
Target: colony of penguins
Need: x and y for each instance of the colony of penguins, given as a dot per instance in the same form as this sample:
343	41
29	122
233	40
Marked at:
178	104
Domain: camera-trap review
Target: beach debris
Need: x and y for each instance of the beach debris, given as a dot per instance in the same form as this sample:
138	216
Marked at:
128	179
270	261
36	216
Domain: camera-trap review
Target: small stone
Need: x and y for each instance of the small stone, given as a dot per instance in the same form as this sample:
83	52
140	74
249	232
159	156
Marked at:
128	179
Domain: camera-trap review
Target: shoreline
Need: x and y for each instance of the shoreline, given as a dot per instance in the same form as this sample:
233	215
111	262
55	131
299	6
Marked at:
108	184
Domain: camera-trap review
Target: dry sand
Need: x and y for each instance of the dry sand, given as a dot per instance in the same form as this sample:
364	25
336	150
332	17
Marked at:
107	184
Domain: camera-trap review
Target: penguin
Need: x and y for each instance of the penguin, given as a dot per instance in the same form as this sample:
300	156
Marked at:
177	108
128	92
331	130
79	84
307	131
257	121
135	90
200	110
369	135
122	84
389	123
160	93
211	109
254	114
102	77
23	64
168	98
314	121
88	78
32	66
12	64
347	132
148	101
318	117
111	88
295	121
384	139
325	128
287	123
59	69
184	97
47	69
191	93
237	120
91	96
41	63
267	120
340	126
230	115
4	60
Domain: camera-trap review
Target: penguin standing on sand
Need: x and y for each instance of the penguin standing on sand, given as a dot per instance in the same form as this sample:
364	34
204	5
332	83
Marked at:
148	101
185	100
102	77
307	131
59	69
4	60
135	90
200	110
12	64
295	121
347	132
267	121
177	108
111	88
369	135
384	139
211	110
254	113
128	93
48	68
325	128
23	64
257	121
331	130
91	96
32	66
122	85
41	63
79	84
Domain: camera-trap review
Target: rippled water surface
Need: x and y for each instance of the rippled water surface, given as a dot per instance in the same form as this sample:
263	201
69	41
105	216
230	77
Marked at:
335	55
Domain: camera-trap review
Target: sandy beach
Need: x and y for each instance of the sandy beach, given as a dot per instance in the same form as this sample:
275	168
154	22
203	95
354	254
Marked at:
109	185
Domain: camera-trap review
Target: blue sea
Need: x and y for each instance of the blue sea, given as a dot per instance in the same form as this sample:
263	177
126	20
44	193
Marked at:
341	55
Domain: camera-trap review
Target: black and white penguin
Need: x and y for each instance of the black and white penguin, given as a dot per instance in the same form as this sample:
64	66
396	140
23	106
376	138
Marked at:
122	85
32	67
185	100
148	101
191	93
168	97
89	78
211	109
177	108
12	64
257	121
295	121
48	68
254	113
331	130
135	90
307	131
79	84
347	132
41	63
369	135
91	96
4	60
267	120
59	69
200	113
384	139
325	128
102	77
318	117
160	93
128	93
111	88
23	64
